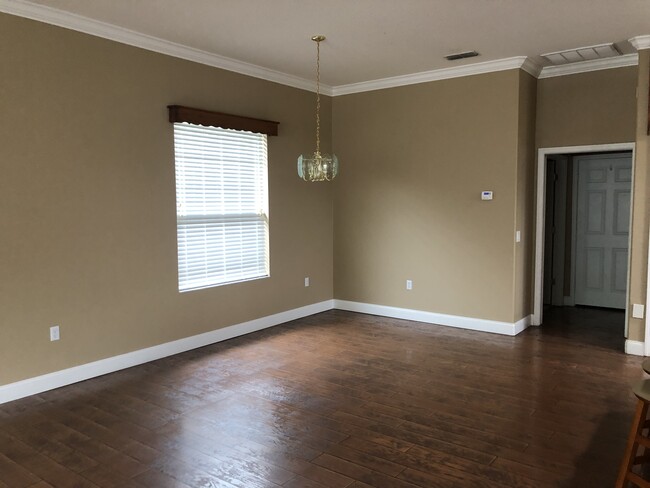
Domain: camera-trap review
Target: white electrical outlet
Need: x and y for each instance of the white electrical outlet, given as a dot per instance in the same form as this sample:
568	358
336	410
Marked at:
409	284
54	333
306	280
637	311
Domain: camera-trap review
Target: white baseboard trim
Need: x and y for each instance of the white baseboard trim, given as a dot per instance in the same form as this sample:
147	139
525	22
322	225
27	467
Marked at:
50	381
522	324
506	328
636	348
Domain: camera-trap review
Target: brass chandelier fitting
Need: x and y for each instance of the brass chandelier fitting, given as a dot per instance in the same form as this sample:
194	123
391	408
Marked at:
317	166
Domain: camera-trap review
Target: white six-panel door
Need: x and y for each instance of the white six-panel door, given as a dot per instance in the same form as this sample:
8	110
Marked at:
602	226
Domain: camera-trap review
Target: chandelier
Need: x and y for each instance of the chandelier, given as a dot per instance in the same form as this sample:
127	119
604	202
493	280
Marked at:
317	166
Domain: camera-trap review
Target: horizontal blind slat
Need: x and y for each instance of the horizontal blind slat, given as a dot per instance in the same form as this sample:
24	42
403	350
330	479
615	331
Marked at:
222	205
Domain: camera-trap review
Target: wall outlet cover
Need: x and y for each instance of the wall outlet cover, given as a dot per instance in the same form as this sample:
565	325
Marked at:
54	333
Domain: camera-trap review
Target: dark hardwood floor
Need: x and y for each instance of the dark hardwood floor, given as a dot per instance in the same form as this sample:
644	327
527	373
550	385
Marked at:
343	400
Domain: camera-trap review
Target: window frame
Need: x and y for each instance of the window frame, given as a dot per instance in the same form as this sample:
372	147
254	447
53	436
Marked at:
206	238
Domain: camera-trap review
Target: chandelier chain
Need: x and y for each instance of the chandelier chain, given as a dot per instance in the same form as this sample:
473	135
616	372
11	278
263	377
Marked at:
318	97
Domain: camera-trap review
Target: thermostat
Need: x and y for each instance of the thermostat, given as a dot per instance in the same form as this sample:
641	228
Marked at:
486	195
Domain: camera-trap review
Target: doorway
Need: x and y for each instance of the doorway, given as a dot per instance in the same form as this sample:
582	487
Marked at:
587	229
571	245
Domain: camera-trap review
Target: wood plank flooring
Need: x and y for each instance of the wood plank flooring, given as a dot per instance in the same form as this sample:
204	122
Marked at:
343	400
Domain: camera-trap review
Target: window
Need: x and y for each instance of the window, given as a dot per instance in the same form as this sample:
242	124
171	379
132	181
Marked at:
221	205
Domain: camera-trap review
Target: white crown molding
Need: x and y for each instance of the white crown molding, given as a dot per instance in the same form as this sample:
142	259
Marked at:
483	325
68	20
587	66
531	67
112	32
434	75
640	42
57	379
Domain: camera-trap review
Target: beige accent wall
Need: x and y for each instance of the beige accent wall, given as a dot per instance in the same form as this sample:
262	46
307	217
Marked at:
587	108
88	203
525	207
407	203
640	221
88	199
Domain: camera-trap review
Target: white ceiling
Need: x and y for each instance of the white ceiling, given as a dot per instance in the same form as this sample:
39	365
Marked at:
368	39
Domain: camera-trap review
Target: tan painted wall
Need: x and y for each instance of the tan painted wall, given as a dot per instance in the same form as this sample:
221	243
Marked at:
525	207
88	204
587	108
407	203
87	192
640	221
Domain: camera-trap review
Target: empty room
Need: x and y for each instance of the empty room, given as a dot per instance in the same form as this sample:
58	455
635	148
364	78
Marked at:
336	244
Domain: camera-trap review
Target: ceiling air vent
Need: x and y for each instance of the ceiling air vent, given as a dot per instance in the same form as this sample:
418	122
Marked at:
588	53
466	54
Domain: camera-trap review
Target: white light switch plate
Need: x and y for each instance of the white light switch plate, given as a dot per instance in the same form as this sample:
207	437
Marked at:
638	311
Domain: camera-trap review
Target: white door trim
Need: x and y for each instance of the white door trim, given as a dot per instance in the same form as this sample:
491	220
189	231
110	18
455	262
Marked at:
540	215
574	231
559	238
647	317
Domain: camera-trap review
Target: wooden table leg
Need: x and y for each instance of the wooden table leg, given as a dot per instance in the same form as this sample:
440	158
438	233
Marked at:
630	450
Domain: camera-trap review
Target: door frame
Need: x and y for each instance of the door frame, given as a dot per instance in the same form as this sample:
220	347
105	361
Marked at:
540	216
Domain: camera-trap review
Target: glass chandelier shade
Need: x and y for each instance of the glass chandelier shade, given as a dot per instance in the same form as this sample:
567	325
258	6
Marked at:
317	166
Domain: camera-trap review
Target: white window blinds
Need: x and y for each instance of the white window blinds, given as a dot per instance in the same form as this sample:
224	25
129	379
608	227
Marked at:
221	205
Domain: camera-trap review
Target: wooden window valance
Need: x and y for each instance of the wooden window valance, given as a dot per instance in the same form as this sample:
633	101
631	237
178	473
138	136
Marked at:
178	113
